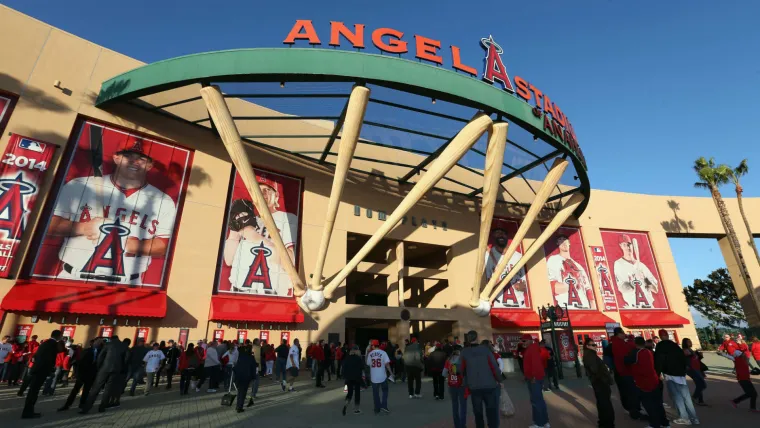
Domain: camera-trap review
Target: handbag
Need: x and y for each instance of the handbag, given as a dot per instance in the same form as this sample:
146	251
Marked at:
228	398
506	407
703	367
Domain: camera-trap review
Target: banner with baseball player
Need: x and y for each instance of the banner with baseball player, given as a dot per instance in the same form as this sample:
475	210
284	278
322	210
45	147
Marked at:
6	105
517	293
249	263
22	170
116	211
634	270
568	270
604	275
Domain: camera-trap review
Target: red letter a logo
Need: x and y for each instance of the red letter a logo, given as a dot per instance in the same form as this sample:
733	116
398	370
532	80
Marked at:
12	209
110	252
259	270
495	70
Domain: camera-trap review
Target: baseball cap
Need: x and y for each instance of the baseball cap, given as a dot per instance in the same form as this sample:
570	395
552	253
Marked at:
375	342
624	239
136	146
262	178
663	332
527	336
414	340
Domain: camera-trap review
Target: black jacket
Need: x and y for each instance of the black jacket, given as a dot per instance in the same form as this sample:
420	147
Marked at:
596	370
87	364
172	356
113	357
437	361
669	359
245	367
44	358
353	368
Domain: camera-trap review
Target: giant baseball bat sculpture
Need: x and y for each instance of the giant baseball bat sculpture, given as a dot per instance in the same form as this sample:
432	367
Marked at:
497	142
465	139
401	271
551	180
558	220
225	125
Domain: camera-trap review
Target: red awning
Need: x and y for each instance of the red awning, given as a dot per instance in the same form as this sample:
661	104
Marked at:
510	319
235	308
652	319
72	299
589	319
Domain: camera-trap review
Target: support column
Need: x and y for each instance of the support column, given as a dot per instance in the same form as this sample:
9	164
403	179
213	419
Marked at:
401	271
749	295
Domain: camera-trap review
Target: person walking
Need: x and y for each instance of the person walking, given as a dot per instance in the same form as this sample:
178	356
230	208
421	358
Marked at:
171	362
741	365
645	378
243	373
211	368
110	362
318	353
400	369
379	369
281	353
328	361
270	357
292	367
413	363
153	361
437	363
339	354
6	351
600	377
44	362
230	358
626	385
481	377
48	387
670	361
534	371
452	373
755	350
694	370
86	372
256	354
136	362
550	370
187	365
162	367
353	370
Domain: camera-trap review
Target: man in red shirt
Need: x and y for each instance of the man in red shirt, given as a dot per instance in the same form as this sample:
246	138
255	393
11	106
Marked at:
648	382
318	354
533	370
741	363
624	379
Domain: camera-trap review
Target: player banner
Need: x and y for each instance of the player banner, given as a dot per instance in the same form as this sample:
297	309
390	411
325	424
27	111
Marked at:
634	270
603	274
106	331
242	336
24	165
115	214
5	109
264	336
249	261
23	332
68	331
507	342
568	270
517	293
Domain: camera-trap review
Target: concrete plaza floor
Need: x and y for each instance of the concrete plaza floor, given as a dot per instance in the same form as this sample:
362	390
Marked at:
572	406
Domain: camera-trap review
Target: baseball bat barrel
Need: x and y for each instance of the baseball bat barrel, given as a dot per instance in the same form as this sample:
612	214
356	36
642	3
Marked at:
352	125
461	143
558	220
230	136
497	142
551	180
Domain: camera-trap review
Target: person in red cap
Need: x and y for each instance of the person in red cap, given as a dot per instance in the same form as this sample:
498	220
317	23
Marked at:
318	353
533	370
379	370
437	363
624	377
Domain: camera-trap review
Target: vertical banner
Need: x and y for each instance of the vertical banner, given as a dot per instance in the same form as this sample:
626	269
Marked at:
566	346
23	332
285	336
242	336
507	342
264	336
634	270
142	333
106	331
516	294
68	331
184	334
22	171
567	269
219	335
605	279
116	211
6	106
249	262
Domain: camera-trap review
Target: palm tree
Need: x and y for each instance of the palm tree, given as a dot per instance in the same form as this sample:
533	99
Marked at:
711	177
736	174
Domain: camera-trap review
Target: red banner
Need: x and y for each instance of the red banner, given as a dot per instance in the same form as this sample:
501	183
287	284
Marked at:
285	336
22	171
106	331
604	276
597	337
184	333
566	346
242	336
142	333
6	106
567	269
68	331
516	294
264	335
24	332
507	342
219	335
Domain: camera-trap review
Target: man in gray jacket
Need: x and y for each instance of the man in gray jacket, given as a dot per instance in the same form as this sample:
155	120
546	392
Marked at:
482	377
413	363
111	361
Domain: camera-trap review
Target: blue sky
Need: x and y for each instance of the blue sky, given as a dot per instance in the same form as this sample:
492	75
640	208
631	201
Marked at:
649	86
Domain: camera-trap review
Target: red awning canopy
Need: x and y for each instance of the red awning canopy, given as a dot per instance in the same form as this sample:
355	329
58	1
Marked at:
511	318
73	299
652	319
238	308
589	319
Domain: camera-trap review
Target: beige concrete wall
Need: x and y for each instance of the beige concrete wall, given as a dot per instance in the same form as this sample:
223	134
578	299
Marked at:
41	54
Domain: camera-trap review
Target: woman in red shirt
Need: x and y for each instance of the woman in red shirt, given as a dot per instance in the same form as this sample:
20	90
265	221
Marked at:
270	356
645	377
694	370
188	363
755	350
741	364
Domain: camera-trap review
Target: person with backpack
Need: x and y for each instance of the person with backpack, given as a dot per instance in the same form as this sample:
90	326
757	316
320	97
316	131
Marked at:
437	363
452	373
600	377
694	370
414	363
188	364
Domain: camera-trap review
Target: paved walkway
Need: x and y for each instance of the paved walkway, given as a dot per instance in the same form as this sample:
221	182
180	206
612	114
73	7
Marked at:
572	406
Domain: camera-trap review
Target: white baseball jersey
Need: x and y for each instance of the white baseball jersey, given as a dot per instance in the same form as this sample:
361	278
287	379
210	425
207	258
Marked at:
376	360
632	276
143	213
256	267
493	257
571	273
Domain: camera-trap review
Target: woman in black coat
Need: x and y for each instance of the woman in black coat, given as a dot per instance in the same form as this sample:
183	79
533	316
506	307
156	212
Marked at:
353	370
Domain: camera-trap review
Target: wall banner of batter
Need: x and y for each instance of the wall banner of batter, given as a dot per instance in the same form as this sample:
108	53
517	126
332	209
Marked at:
249	262
68	331
604	275
634	270
22	171
517	294
507	342
6	107
106	331
568	270
116	213
264	336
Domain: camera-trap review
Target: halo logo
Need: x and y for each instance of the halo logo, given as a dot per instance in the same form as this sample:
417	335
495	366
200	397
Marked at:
12	206
494	70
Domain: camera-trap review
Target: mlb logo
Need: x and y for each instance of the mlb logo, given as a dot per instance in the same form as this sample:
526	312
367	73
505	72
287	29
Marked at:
597	249
34	146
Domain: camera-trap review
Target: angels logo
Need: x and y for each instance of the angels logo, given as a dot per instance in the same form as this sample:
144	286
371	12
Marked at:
258	272
494	70
573	299
109	253
13	206
641	299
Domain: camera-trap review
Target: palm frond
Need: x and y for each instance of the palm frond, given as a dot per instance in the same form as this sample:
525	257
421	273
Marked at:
742	169
701	185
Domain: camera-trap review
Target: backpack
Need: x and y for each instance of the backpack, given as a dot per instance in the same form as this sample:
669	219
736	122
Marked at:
455	378
412	357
